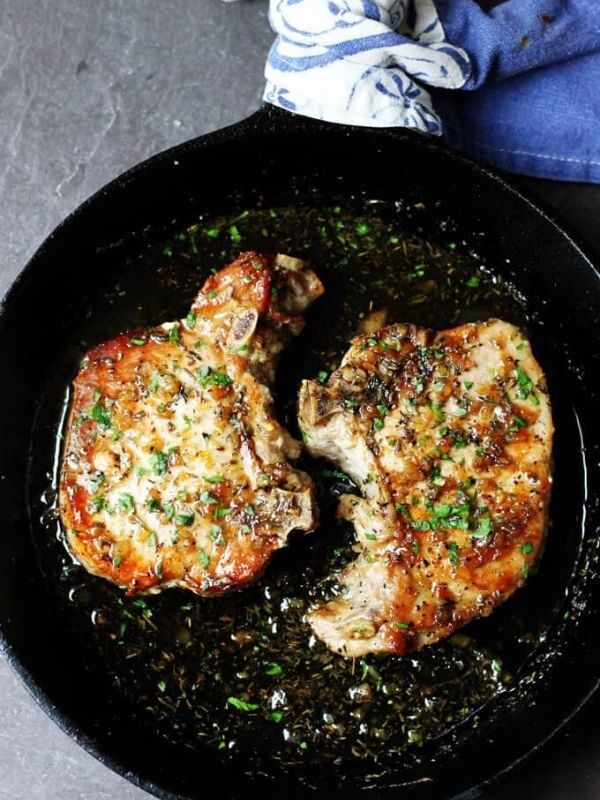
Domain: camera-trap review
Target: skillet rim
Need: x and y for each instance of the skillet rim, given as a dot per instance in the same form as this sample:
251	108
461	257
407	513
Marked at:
268	120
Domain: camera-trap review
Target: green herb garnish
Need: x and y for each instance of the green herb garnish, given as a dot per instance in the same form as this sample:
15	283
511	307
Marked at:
126	502
484	528
159	462
98	504
453	553
242	705
207	497
208	377
273	669
101	416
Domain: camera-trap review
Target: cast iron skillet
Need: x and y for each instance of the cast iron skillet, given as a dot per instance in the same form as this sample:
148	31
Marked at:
281	158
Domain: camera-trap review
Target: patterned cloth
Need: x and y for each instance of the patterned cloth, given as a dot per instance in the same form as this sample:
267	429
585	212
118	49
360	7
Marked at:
528	71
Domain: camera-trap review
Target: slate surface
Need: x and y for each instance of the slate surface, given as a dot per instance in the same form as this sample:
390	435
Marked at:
87	89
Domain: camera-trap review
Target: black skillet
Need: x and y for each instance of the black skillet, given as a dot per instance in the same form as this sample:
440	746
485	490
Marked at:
283	160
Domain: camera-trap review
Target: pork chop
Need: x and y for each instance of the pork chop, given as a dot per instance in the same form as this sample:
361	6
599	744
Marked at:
175	471
448	437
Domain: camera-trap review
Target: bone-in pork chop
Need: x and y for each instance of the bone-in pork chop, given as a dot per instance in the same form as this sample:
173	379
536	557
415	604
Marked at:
175	470
448	436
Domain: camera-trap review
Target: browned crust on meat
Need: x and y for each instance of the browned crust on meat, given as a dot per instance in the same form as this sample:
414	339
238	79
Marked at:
175	471
457	432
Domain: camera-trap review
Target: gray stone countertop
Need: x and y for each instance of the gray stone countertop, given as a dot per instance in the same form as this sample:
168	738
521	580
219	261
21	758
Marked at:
87	89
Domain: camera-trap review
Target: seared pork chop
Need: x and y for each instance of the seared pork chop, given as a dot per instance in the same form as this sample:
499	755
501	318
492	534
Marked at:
448	436
175	471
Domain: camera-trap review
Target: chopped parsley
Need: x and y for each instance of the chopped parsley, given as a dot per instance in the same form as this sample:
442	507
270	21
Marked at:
484	528
208	377
98	503
273	669
100	415
159	462
126	502
517	424
174	337
435	476
527	548
203	558
437	412
242	705
234	234
154	384
453	553
216	535
207	497
525	386
186	518
190	320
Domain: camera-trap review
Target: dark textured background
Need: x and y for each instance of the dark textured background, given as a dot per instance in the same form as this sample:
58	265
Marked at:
87	89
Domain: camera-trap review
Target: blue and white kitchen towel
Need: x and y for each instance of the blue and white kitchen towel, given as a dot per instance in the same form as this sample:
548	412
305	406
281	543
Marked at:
528	74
